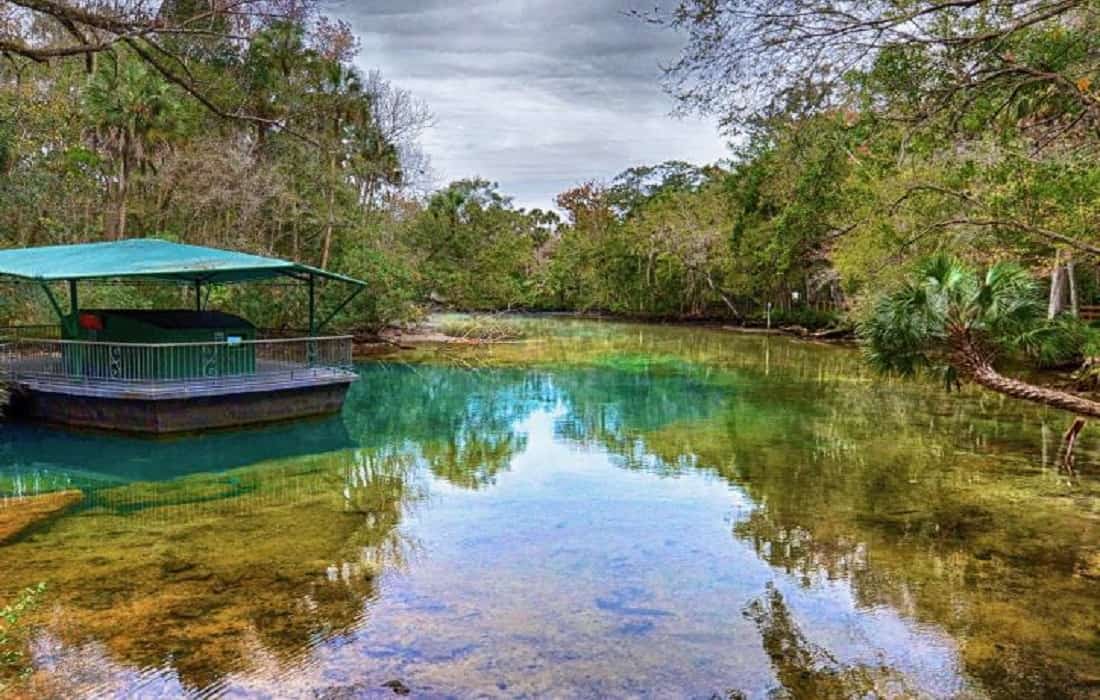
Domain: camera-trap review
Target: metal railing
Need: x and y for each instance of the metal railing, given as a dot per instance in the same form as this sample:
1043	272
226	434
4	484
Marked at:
161	363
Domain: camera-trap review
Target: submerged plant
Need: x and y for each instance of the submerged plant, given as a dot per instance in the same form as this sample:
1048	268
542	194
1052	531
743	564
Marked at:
13	633
633	362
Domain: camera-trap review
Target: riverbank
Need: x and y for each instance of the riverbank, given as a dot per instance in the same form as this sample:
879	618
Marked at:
485	329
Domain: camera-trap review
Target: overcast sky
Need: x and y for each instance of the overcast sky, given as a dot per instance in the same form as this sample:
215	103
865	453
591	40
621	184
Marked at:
537	95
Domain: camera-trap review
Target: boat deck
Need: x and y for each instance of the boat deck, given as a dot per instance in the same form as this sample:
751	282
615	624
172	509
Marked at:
176	387
270	375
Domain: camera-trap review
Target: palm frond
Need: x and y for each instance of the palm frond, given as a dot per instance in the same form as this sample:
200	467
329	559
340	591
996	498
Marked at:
1056	342
1008	300
900	331
907	329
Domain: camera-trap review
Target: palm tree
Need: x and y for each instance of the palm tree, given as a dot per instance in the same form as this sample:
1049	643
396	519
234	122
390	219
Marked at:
375	161
949	318
343	105
277	57
133	111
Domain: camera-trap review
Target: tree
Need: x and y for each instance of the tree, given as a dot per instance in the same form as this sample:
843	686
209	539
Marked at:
342	107
162	35
948	317
973	87
132	109
635	186
276	57
398	121
473	248
294	161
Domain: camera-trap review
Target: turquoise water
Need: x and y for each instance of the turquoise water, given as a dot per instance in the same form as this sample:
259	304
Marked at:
602	510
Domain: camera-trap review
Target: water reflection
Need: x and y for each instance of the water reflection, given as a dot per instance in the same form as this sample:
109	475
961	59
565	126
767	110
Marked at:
604	510
38	459
197	577
807	670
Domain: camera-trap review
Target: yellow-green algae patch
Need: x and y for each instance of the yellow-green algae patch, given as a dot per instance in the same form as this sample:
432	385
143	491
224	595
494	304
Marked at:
199	570
21	514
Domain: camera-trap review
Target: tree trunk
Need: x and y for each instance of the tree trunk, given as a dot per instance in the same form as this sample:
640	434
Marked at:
372	192
331	223
721	294
1057	288
1070	440
973	365
123	190
1071	280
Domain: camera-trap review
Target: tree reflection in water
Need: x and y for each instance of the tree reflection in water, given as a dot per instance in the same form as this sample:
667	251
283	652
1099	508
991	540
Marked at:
806	670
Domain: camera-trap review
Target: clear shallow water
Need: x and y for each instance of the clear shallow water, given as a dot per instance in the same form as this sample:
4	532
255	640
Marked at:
603	510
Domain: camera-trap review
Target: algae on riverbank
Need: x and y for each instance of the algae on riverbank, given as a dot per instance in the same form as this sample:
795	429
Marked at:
14	633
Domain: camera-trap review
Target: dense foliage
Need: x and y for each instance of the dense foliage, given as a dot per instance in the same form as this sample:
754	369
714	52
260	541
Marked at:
966	128
971	131
302	156
253	130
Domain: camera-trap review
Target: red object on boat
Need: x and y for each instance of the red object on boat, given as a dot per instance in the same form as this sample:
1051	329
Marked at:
91	322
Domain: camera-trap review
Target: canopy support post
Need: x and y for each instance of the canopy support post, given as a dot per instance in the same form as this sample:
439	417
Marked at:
62	318
74	304
339	308
312	306
198	295
311	347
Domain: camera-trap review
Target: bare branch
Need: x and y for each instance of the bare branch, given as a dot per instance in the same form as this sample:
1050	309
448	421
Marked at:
1050	236
749	60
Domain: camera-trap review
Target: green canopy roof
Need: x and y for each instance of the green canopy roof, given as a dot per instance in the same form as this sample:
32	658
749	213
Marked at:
149	258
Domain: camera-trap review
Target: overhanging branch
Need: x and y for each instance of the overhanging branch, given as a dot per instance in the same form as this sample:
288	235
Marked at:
96	31
1052	236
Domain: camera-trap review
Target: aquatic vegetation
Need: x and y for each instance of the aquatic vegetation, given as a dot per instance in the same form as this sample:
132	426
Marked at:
14	634
21	514
642	362
875	499
486	328
190	571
